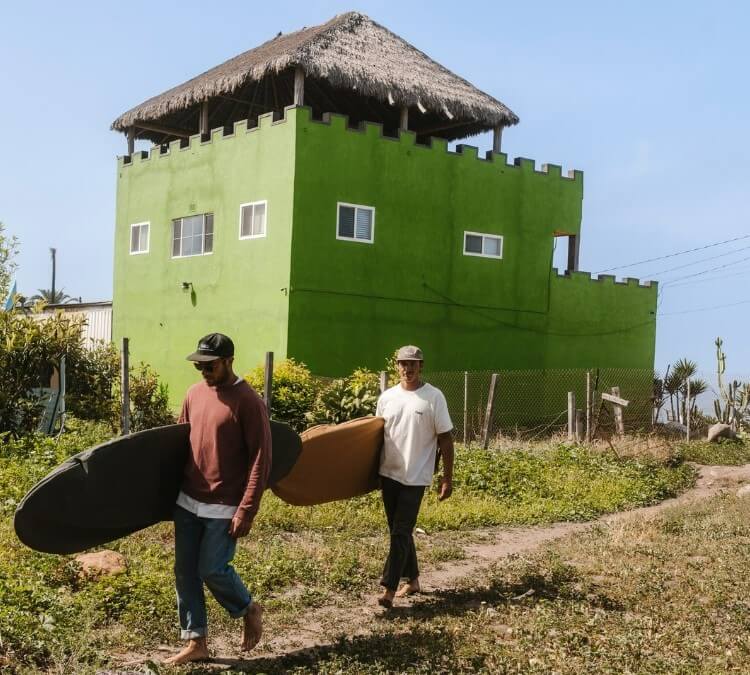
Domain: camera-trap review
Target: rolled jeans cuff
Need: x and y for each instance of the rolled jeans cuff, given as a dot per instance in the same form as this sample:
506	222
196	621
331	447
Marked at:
193	634
242	612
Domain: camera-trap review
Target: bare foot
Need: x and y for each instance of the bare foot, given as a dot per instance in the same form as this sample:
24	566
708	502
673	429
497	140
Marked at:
409	588
195	650
253	629
386	600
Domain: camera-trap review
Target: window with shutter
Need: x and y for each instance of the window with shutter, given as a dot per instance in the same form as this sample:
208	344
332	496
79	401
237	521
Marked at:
483	245
355	223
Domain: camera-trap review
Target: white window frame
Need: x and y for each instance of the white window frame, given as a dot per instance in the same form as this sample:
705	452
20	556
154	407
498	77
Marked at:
265	220
203	242
371	240
148	237
485	235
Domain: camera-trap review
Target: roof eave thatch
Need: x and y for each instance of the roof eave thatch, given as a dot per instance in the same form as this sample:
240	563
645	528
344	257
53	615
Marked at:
389	70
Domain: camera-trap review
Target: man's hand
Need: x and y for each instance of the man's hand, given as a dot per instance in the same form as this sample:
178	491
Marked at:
239	527
445	488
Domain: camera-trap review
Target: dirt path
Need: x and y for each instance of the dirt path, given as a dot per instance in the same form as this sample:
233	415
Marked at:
324	625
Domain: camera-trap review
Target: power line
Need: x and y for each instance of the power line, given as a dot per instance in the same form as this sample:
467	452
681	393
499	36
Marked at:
695	262
706	309
711	269
708	279
672	255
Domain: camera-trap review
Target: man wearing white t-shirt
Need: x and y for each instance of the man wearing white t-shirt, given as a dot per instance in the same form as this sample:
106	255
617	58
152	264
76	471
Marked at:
416	424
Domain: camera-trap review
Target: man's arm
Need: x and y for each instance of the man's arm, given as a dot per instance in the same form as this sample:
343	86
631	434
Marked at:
445	444
257	431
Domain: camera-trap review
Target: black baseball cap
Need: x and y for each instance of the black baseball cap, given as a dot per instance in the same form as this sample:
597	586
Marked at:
211	347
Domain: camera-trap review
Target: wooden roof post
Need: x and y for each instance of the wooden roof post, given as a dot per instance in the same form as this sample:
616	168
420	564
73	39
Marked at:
299	86
204	119
131	140
497	138
574	247
404	124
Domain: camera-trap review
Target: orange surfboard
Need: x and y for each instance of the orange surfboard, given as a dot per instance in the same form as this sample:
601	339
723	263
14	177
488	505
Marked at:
337	461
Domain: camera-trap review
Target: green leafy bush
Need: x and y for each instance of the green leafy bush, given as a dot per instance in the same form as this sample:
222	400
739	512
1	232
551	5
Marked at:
294	390
149	400
346	399
29	350
91	379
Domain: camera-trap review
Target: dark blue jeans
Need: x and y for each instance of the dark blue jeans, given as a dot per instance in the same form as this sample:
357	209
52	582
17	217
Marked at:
203	550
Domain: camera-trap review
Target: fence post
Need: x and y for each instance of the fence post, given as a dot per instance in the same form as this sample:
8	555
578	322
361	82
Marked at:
488	414
619	421
268	381
125	385
579	425
466	405
588	406
571	415
687	414
383	381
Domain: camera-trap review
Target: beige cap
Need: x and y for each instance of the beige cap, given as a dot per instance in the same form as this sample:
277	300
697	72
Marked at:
409	353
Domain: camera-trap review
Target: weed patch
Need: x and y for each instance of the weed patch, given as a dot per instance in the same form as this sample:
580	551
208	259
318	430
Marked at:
722	452
299	558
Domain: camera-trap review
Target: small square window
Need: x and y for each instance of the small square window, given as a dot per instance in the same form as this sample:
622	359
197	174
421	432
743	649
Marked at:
253	220
139	238
193	235
355	223
483	245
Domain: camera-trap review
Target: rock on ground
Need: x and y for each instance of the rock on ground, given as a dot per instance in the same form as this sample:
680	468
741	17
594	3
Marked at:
718	431
101	563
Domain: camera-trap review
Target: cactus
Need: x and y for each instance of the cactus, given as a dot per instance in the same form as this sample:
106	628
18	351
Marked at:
734	403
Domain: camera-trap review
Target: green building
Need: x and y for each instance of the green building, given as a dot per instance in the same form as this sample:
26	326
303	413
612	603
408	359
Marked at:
302	198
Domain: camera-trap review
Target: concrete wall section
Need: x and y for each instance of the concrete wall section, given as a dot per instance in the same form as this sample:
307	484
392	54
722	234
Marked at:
352	303
241	288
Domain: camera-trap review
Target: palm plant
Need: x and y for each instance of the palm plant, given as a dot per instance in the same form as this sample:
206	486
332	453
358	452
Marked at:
675	384
49	297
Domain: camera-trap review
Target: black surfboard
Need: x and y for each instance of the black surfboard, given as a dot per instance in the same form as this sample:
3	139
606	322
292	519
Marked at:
120	487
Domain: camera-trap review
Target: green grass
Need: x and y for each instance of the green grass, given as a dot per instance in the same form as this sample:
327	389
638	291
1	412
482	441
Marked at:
723	452
296	558
663	596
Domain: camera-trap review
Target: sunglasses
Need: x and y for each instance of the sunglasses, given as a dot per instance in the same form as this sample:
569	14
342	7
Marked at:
206	367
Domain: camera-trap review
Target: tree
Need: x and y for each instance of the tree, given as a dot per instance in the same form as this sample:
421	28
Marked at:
8	250
675	384
47	296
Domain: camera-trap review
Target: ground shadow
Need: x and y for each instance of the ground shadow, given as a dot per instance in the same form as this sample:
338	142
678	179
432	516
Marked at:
406	638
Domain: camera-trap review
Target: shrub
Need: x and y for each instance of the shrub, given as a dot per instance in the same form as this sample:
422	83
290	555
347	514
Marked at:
346	399
91	379
294	390
29	349
149	400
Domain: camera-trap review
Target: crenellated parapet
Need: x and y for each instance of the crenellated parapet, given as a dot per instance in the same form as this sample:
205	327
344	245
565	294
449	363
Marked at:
220	134
335	121
605	279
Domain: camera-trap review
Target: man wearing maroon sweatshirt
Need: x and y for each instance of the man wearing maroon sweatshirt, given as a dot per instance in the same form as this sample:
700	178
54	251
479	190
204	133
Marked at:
225	475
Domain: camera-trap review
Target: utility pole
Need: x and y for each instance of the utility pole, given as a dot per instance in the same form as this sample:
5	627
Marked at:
53	251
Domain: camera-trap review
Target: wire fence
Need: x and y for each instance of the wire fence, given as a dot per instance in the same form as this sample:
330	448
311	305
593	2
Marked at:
585	404
536	403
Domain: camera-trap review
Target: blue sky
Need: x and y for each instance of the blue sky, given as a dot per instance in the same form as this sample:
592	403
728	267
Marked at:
649	99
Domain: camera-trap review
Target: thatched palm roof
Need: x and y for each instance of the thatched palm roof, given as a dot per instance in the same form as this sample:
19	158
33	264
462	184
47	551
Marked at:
352	65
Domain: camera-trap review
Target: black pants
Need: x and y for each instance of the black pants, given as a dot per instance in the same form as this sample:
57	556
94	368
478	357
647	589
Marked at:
402	504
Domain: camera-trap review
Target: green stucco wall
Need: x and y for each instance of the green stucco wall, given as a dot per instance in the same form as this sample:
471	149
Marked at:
353	303
337	305
241	288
